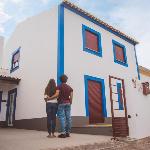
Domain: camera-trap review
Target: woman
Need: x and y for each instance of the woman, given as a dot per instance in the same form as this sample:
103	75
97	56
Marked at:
51	107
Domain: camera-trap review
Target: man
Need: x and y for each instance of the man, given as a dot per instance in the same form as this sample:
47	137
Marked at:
65	94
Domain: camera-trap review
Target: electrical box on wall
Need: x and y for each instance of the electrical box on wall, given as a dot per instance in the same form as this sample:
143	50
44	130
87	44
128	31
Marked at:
146	88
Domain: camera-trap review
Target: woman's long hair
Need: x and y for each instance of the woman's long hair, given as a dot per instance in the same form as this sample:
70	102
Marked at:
51	88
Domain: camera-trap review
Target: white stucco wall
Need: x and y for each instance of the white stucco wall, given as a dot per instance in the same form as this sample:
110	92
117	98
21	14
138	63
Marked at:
37	37
79	63
141	105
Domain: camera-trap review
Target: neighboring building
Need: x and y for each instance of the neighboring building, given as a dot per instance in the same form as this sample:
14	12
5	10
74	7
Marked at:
99	60
1	49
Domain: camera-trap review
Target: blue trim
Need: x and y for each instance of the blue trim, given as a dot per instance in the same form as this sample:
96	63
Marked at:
119	96
86	95
60	55
86	78
8	103
124	51
138	72
97	23
99	52
0	99
13	54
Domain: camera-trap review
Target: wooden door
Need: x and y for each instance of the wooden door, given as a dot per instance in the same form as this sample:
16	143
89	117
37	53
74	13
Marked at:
118	107
95	102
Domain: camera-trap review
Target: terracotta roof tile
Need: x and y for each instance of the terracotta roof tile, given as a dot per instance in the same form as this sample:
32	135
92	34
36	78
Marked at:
10	79
144	71
98	20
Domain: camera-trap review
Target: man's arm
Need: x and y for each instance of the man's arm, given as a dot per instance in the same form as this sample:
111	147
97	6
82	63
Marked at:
54	96
71	97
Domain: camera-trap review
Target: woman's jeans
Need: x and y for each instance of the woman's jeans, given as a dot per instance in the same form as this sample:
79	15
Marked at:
64	116
51	110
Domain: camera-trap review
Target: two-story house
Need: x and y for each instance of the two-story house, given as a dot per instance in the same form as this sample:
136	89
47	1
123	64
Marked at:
99	60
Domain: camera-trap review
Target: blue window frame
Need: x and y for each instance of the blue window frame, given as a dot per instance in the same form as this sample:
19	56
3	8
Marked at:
119	51
86	79
97	41
15	60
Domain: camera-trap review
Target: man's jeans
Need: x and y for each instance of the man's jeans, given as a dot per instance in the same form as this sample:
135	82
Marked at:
64	116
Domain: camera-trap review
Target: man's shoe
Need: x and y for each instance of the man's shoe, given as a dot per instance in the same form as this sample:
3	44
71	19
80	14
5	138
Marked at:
62	136
67	135
49	136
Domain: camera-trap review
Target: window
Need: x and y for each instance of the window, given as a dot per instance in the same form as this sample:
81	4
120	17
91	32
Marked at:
120	100
119	53
15	60
91	41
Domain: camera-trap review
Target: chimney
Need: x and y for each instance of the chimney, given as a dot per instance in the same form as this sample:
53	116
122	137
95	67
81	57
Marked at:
1	49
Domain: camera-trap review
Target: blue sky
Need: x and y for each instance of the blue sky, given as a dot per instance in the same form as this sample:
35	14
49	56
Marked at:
129	16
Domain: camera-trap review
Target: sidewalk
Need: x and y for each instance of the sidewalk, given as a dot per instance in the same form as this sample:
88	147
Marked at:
18	139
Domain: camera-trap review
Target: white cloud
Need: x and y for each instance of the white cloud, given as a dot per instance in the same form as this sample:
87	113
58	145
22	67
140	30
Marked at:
16	1
49	1
44	1
133	17
2	5
4	17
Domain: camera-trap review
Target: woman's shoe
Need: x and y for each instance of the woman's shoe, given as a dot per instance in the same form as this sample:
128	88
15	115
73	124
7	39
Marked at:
53	135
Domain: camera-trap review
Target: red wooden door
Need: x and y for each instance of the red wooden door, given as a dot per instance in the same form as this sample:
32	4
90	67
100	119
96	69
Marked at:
95	102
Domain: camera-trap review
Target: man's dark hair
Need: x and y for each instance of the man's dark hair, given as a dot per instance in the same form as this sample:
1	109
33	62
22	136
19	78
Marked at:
63	78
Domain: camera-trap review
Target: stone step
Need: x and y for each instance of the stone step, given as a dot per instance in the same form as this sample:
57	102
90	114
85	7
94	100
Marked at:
94	130
99	125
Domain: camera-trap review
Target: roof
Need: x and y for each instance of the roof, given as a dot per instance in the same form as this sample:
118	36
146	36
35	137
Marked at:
97	20
9	79
144	71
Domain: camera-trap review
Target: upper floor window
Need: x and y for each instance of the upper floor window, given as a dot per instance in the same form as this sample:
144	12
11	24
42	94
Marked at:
91	41
15	60
119	53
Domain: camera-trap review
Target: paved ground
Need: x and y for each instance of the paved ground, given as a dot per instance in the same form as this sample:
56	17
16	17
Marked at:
13	139
16	139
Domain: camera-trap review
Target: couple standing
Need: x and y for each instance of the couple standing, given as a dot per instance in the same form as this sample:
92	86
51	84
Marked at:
58	101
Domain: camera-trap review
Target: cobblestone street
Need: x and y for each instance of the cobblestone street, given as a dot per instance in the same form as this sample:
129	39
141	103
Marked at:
143	144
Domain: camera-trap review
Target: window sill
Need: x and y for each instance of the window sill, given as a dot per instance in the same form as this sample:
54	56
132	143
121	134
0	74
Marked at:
121	63
14	69
97	53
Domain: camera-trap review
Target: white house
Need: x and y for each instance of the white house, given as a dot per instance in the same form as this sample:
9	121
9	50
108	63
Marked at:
99	60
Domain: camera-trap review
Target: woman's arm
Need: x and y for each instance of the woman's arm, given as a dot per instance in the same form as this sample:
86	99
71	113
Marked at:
45	94
54	96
